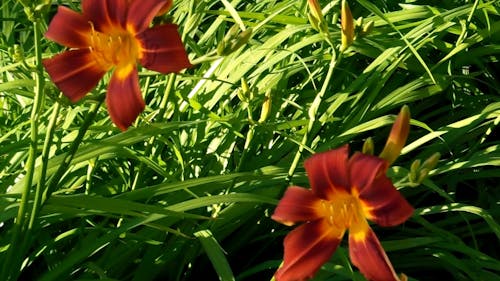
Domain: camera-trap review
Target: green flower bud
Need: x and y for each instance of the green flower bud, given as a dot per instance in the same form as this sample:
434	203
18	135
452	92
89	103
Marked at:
422	175
266	107
367	28
368	146
431	162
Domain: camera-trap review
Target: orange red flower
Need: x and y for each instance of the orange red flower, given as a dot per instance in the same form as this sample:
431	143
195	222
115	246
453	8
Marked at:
113	35
345	194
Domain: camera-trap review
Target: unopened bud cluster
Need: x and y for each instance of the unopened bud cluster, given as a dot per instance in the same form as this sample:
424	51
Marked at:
233	40
247	95
350	29
420	171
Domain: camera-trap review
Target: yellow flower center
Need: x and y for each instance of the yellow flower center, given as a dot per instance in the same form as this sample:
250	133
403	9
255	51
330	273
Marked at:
343	212
117	48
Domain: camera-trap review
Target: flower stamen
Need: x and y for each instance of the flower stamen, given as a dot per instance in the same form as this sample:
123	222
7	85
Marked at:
343	212
117	48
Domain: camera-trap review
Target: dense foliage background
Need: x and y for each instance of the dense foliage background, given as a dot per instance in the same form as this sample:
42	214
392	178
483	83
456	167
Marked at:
187	193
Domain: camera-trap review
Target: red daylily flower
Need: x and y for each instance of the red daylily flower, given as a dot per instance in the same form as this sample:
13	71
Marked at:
113	35
345	193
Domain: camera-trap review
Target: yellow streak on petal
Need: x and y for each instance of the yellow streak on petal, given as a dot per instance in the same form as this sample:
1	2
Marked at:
123	72
359	230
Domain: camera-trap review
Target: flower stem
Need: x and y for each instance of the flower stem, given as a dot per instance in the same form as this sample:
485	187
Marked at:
54	180
160	117
14	255
45	159
313	110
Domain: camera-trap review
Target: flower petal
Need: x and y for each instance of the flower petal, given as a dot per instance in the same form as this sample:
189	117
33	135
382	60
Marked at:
363	169
307	248
328	172
298	204
75	72
106	14
382	203
369	257
142	13
162	49
124	99
69	28
166	7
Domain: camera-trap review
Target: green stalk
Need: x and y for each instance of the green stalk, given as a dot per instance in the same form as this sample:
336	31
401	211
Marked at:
28	234
12	261
45	159
54	180
313	110
159	118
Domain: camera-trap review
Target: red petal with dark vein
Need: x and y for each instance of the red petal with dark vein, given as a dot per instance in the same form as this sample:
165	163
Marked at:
124	99
162	49
328	172
69	28
298	204
142	13
364	168
369	257
75	72
307	248
106	14
382	203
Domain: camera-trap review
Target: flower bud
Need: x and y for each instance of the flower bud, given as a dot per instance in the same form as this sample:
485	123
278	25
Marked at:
244	94
367	28
415	166
17	53
347	25
422	175
414	170
397	137
266	107
315	10
432	161
233	41
241	40
359	22
313	21
222	48
368	146
316	17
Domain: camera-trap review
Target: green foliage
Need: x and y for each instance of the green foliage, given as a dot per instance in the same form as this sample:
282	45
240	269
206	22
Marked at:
188	192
